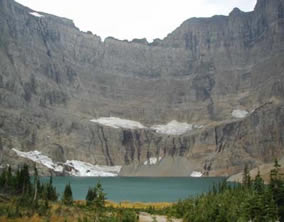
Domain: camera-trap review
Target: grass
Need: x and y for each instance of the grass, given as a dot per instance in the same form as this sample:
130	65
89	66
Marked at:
58	212
138	205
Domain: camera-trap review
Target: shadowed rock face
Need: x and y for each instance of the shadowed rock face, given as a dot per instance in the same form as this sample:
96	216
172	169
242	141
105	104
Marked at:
54	79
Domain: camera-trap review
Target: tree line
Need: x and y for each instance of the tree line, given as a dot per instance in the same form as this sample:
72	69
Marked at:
32	196
29	192
253	200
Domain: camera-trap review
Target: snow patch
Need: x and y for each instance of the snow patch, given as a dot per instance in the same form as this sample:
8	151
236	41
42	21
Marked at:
237	113
152	160
77	168
89	170
36	14
115	122
173	128
196	174
38	157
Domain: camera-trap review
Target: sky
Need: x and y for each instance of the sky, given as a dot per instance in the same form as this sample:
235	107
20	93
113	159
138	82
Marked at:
129	19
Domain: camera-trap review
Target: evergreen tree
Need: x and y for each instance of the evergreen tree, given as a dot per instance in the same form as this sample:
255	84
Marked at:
100	196
9	179
246	177
277	188
24	182
90	196
51	190
258	183
67	195
3	179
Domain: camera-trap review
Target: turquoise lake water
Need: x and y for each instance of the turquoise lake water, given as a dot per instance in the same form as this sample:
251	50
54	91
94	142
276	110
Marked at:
137	189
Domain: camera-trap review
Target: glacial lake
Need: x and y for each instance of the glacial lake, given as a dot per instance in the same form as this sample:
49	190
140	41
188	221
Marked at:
137	189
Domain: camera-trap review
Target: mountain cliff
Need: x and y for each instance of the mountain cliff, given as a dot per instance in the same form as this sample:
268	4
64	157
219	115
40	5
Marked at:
54	79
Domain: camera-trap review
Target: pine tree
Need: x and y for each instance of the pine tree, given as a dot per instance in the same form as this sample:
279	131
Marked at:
25	179
100	196
246	177
51	190
2	179
9	179
258	183
90	196
67	195
277	188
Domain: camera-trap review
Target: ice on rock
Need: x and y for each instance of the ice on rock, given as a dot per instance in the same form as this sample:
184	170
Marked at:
196	174
173	128
152	161
237	113
115	122
38	157
36	14
78	168
88	169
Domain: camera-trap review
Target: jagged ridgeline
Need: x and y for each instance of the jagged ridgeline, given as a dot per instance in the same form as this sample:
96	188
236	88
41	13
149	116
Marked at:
206	100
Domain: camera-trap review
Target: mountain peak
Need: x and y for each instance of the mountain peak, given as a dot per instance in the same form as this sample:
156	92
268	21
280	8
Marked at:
236	12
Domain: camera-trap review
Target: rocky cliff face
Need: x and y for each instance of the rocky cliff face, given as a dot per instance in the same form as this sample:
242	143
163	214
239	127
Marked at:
54	79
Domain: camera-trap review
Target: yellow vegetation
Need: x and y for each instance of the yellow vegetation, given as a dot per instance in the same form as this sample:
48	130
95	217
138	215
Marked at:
138	205
62	213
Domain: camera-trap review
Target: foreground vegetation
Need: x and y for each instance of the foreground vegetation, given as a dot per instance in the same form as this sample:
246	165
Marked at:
23	198
251	201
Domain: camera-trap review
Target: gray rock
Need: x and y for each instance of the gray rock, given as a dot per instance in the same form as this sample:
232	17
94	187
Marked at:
54	79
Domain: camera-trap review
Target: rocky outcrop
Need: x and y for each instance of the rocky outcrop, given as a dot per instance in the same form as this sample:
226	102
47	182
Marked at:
54	79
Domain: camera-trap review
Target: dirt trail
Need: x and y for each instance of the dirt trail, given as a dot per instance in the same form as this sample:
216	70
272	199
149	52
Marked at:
145	217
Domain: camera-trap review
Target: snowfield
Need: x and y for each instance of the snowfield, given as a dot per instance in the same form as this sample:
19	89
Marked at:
77	168
173	128
89	170
237	113
36	14
196	174
152	161
115	122
38	157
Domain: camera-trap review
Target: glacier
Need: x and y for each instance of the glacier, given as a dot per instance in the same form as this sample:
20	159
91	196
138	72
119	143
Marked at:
78	168
196	174
237	113
116	122
173	128
152	160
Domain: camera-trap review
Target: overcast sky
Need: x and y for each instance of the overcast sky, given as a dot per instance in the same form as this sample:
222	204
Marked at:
128	19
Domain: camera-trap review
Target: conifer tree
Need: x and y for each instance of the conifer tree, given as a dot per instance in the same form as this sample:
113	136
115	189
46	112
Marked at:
100	196
25	179
246	177
90	196
67	195
51	190
277	188
258	183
